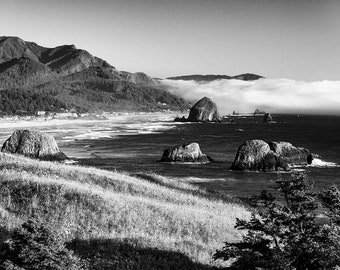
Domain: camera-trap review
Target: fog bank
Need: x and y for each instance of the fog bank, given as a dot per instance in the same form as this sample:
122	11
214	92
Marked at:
272	95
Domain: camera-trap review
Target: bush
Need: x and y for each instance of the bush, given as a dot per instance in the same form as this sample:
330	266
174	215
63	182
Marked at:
36	246
299	233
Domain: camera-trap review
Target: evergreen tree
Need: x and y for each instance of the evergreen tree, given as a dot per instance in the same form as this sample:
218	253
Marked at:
36	246
289	234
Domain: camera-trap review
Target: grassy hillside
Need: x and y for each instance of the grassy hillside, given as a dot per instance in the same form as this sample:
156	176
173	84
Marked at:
116	220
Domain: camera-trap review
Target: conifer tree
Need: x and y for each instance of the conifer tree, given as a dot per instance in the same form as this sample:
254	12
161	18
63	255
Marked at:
298	231
36	245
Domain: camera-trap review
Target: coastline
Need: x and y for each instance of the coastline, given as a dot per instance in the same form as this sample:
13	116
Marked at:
40	121
93	126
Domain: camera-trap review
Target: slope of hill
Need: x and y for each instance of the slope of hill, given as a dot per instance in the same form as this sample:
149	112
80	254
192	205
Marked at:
211	77
116	220
76	79
24	71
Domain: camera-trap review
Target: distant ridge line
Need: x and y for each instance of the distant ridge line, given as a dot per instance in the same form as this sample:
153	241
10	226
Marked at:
212	77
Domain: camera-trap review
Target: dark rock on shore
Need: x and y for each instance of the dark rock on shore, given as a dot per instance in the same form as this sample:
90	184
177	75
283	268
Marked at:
257	155
185	153
33	144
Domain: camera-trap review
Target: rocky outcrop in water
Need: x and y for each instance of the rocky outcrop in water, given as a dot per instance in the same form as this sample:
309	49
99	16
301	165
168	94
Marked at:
180	119
267	118
257	155
204	110
33	144
185	153
291	154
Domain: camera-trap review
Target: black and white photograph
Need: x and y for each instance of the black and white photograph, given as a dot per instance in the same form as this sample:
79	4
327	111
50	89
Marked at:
169	134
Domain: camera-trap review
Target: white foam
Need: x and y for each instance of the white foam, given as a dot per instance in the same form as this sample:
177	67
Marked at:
318	163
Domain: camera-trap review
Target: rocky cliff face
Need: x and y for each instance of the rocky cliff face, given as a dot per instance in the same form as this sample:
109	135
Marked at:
204	110
257	155
33	144
184	153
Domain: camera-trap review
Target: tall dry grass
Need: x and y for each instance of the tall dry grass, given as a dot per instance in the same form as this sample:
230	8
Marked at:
87	203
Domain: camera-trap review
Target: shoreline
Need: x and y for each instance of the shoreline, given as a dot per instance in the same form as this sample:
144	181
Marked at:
38	121
108	125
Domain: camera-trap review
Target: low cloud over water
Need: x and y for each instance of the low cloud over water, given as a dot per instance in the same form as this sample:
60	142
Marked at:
272	95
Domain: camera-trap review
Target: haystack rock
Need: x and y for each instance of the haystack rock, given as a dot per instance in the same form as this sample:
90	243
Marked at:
267	118
292	154
257	155
204	110
185	153
33	144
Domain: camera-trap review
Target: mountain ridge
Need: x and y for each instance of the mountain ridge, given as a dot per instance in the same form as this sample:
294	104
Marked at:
212	77
76	78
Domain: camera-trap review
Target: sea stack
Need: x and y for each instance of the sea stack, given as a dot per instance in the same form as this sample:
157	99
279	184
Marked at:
292	154
185	153
33	144
204	110
267	118
257	155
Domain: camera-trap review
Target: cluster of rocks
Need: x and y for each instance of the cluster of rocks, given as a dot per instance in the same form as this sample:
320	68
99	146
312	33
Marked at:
205	110
252	155
257	155
33	144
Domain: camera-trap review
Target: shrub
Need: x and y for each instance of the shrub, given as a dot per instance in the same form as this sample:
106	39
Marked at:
36	246
289	234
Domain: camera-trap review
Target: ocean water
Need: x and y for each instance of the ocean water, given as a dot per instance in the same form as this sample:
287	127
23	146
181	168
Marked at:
136	145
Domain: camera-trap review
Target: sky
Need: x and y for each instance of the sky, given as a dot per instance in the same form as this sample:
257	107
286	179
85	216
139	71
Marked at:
292	39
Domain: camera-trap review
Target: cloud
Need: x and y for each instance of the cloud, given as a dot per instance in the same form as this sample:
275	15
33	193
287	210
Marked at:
272	95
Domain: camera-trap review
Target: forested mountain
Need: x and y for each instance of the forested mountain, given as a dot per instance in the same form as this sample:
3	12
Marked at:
34	78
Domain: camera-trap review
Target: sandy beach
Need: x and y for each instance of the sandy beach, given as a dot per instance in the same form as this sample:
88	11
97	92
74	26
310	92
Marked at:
110	126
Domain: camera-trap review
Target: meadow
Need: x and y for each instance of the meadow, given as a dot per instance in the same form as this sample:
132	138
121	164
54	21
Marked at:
119	221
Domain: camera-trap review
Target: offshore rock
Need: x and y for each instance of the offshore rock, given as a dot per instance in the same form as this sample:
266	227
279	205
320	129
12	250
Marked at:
267	118
180	119
204	110
292	154
33	144
256	155
185	153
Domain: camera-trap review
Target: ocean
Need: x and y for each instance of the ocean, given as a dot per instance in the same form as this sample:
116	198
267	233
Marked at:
136	145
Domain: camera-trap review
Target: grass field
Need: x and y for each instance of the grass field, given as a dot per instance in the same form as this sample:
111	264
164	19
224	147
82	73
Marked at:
115	220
